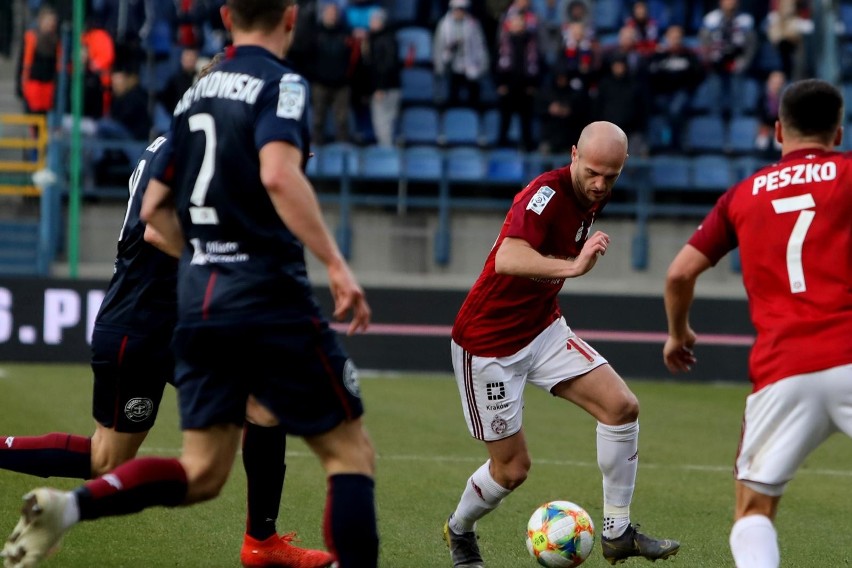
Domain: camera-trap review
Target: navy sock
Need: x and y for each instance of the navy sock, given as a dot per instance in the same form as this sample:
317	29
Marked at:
51	455
350	521
263	459
133	486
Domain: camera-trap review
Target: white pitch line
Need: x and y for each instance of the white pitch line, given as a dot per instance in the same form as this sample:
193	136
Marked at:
541	461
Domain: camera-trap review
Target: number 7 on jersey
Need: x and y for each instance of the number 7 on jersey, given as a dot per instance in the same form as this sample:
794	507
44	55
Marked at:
804	204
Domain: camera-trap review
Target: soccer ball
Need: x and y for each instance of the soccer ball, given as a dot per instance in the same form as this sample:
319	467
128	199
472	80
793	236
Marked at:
560	534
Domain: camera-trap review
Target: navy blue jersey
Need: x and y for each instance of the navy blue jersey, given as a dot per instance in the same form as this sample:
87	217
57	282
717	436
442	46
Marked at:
142	293
241	260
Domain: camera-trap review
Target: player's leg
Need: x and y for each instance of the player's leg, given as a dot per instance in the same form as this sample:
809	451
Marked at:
753	540
782	423
57	454
348	457
264	444
491	391
571	369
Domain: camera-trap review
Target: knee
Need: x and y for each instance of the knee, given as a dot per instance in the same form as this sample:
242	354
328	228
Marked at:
625	410
204	481
513	473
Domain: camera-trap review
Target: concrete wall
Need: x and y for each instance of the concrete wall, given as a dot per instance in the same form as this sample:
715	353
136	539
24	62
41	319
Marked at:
391	250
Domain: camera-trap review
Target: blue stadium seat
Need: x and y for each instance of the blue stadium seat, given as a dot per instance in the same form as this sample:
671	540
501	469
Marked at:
403	11
491	128
712	173
670	172
846	18
661	11
705	134
418	125
505	166
330	160
418	86
381	162
659	134
846	145
417	42
767	58
741	133
465	165
702	99
422	163
744	166
459	126
607	15
847	93
749	97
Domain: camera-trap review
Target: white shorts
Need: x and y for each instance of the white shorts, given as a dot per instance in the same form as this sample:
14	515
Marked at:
785	421
492	388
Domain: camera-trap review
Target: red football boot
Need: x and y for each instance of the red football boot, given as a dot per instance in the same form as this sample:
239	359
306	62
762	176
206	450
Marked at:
277	552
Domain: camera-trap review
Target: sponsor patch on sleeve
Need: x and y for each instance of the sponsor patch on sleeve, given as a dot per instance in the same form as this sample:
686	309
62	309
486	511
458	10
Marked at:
291	97
540	200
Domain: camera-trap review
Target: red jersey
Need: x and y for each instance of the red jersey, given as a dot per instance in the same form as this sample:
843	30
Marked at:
501	313
793	223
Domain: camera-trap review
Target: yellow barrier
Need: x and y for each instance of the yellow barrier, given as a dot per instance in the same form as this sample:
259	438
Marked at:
30	136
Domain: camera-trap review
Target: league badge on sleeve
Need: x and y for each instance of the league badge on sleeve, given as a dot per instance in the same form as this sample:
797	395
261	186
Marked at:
540	200
291	97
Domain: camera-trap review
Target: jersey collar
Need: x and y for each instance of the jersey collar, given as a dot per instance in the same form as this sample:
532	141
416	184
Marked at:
233	51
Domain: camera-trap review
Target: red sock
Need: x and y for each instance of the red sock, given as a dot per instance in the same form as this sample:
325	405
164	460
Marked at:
51	455
138	484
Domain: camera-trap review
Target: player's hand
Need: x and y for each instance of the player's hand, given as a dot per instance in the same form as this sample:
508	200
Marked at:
593	247
677	353
348	297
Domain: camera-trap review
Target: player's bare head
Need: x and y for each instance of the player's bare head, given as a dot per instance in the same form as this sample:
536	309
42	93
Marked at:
597	161
811	109
257	15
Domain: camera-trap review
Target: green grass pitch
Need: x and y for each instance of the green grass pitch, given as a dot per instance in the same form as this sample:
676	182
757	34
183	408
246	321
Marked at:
688	438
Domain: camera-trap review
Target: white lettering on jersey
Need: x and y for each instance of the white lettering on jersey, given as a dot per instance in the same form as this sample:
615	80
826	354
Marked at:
291	97
222	85
540	200
799	174
155	145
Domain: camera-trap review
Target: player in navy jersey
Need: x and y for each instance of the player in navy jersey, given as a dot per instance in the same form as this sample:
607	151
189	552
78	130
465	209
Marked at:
132	362
510	332
249	329
792	223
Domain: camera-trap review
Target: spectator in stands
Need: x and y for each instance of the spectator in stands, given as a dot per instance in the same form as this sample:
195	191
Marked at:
788	28
621	99
729	44
627	49
767	113
300	54
128	114
647	33
181	79
519	70
381	60
579	55
675	71
38	63
100	56
564	108
460	54
334	57
551	15
577	11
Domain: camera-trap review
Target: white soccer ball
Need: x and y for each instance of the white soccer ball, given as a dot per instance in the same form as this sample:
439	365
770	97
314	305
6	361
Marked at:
560	534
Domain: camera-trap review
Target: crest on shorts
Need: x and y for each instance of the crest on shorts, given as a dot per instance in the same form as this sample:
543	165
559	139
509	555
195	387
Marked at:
350	379
498	425
540	200
138	409
291	97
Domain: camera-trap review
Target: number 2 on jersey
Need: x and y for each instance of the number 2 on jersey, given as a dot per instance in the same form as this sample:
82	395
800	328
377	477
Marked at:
201	215
804	204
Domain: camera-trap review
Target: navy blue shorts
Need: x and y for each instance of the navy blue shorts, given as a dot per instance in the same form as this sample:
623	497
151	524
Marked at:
302	375
131	372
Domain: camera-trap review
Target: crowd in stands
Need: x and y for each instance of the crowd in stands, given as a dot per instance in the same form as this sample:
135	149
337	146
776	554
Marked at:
534	72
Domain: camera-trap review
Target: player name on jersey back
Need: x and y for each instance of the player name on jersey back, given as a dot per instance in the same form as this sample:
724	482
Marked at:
222	85
797	174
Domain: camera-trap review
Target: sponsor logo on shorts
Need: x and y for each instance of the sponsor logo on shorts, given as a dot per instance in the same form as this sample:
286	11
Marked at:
498	425
350	379
495	391
498	406
138	409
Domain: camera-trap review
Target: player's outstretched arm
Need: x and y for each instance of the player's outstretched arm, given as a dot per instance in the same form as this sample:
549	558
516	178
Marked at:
516	257
681	277
296	203
158	211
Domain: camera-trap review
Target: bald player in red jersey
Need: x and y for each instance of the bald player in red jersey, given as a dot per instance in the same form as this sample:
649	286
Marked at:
793	224
510	332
